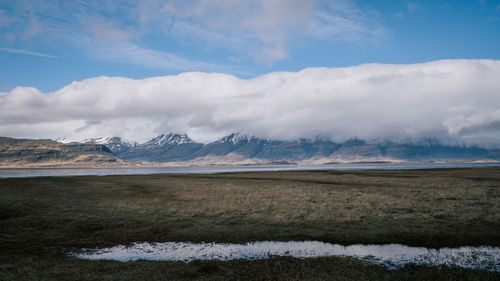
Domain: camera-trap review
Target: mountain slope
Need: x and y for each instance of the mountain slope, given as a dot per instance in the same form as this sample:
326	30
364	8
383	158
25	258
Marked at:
39	153
164	148
116	144
240	148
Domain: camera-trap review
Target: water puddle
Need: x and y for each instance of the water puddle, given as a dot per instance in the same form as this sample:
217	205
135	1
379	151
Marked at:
391	255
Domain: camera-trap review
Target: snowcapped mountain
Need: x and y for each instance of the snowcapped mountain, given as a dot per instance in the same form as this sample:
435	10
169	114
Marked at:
174	147
163	148
63	140
99	140
235	138
116	144
169	139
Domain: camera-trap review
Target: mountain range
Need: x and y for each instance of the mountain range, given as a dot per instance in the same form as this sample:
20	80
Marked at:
244	149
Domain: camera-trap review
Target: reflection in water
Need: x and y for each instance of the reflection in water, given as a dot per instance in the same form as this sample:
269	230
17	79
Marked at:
391	255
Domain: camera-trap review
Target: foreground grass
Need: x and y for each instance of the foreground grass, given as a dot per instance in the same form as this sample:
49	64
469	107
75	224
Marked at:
43	218
57	268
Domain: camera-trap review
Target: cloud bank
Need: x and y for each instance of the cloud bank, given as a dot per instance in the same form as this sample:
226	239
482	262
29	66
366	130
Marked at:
451	100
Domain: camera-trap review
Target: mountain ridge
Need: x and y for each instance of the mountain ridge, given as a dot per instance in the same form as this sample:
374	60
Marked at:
244	148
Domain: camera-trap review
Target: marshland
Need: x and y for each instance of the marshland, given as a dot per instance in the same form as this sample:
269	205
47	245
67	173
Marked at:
43	220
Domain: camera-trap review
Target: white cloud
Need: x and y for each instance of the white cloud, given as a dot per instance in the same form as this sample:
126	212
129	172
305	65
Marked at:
25	52
344	21
104	30
451	100
132	53
265	29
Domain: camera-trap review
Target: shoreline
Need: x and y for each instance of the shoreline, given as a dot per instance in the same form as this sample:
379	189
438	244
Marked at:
190	164
35	172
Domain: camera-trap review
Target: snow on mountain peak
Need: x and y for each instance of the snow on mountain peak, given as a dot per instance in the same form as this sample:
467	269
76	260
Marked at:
170	139
64	140
110	140
235	138
99	140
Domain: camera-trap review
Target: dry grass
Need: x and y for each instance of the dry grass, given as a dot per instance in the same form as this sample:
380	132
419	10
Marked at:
44	217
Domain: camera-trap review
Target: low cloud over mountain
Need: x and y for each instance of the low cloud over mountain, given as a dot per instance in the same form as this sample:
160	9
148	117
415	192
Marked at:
455	101
244	149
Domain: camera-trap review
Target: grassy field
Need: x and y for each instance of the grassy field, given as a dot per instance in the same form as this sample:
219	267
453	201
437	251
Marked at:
41	219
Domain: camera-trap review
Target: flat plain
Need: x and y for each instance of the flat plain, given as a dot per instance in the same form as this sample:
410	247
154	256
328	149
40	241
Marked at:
43	219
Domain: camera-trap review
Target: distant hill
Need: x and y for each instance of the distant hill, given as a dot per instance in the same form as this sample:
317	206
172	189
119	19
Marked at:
48	153
242	149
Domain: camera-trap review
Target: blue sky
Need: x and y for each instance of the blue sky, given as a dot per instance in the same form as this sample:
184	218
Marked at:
284	69
48	44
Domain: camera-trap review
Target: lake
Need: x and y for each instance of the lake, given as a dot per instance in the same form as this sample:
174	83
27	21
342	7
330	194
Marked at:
62	172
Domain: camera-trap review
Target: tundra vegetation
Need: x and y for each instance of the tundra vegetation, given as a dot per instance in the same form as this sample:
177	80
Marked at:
44	219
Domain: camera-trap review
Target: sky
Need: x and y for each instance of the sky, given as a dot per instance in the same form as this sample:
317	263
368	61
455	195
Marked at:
397	70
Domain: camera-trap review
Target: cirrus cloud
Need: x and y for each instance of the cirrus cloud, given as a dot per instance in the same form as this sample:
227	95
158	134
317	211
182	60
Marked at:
264	31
